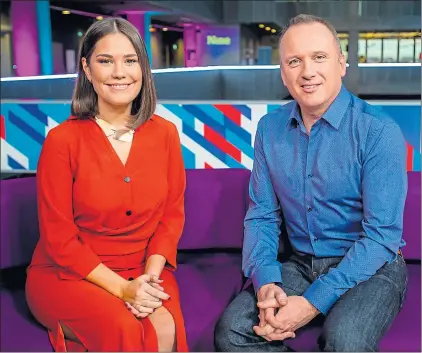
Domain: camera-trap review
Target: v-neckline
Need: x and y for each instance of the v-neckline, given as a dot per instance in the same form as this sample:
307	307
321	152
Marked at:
112	152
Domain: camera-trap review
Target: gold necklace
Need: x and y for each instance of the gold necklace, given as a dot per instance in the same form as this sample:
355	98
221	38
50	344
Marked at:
111	131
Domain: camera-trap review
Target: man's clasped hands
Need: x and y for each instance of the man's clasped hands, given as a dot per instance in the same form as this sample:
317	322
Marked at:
279	315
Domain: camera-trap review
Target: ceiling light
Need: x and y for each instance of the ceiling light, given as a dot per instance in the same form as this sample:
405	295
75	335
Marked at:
273	30
165	29
99	18
261	26
267	28
66	12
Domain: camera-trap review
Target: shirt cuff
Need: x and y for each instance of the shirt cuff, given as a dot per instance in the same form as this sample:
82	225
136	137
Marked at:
266	274
322	296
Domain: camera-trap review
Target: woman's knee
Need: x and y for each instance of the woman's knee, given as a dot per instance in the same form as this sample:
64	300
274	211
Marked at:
165	329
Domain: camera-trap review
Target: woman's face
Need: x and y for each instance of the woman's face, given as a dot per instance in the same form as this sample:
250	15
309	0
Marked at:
114	71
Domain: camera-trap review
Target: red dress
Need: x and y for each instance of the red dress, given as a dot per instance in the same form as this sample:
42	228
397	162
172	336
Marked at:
94	209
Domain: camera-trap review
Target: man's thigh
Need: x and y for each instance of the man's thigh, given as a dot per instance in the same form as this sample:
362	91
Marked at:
235	328
360	318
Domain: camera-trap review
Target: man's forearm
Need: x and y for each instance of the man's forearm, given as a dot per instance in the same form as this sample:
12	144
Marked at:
327	289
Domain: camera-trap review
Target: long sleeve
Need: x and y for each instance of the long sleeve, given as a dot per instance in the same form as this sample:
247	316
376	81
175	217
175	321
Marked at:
384	188
58	231
262	223
169	230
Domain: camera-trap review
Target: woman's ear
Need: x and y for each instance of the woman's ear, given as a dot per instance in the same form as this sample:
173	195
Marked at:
86	69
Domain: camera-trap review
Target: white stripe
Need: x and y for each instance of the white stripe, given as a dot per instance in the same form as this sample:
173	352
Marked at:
9	150
204	68
257	112
51	123
168	115
246	161
202	152
199	127
246	124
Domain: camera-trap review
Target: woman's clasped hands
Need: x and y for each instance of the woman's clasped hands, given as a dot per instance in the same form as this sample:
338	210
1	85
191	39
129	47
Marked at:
143	295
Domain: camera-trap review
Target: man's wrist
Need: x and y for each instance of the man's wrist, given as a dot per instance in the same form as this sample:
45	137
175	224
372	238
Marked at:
312	308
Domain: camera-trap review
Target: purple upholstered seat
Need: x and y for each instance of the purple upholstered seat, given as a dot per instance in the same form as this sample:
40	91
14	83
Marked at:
19	331
209	272
209	276
405	333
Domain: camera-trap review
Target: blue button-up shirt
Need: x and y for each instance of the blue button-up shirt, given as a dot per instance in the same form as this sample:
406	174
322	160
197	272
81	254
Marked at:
341	190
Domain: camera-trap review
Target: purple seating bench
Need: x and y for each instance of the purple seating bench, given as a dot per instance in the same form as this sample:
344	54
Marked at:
209	272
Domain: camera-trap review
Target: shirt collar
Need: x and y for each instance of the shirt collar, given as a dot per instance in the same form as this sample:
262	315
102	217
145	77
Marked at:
333	115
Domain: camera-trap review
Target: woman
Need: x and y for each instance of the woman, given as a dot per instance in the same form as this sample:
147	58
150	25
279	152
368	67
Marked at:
111	185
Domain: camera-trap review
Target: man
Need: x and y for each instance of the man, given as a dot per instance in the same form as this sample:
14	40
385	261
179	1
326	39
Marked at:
331	169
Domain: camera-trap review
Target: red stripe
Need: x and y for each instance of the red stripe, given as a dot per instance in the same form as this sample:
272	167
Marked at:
2	128
230	112
207	166
409	159
221	143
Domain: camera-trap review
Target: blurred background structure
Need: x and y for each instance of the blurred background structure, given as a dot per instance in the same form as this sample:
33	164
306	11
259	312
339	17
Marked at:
381	40
215	66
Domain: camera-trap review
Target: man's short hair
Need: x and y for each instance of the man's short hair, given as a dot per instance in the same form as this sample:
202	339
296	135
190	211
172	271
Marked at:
304	19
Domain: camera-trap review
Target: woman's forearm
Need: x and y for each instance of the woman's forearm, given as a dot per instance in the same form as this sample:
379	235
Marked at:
107	279
155	265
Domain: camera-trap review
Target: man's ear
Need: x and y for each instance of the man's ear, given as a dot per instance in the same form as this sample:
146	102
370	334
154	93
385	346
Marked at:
282	75
342	62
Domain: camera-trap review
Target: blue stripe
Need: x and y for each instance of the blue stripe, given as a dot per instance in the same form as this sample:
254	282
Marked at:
234	139
272	107
27	117
147	36
207	120
416	161
59	112
44	37
19	140
188	158
15	120
14	164
212	112
232	163
244	110
181	113
201	140
240	132
34	110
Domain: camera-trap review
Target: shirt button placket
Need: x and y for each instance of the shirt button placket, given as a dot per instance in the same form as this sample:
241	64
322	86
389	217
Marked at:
128	180
308	189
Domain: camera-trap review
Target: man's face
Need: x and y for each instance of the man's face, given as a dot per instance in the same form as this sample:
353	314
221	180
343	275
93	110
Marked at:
311	65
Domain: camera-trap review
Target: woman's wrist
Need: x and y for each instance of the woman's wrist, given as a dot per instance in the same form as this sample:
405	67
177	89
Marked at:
121	291
155	265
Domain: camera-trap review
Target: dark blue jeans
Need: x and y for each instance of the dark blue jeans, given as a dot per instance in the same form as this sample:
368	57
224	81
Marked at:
356	323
